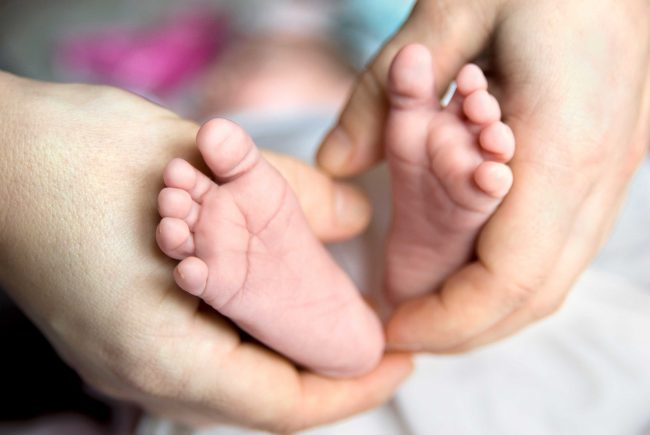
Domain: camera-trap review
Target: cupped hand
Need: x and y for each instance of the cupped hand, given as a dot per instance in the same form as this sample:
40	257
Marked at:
573	79
80	169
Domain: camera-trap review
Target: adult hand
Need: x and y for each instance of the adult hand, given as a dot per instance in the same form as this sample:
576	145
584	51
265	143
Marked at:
80	168
573	79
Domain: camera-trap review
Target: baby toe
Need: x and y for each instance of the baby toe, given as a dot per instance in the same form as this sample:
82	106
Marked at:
471	79
180	174
498	140
174	238
410	79
481	108
493	178
191	275
226	148
175	203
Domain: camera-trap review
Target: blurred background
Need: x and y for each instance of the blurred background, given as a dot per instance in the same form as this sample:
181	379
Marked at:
283	69
201	56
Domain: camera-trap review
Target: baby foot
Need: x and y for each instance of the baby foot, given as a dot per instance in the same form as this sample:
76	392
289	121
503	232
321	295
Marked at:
448	172
246	249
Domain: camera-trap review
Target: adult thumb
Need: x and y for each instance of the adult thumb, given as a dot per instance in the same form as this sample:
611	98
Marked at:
335	211
454	30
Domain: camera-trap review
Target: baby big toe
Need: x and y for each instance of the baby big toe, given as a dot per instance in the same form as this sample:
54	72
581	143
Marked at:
410	79
191	275
174	238
493	178
226	148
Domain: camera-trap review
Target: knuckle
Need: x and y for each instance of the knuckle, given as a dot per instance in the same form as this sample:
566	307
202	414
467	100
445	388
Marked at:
545	309
284	427
281	419
519	293
136	375
633	159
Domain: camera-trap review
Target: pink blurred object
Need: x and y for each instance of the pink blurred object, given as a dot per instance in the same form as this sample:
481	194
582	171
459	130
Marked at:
153	60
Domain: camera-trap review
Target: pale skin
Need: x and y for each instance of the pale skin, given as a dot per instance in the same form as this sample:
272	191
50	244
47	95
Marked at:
575	89
448	172
245	247
80	169
247	250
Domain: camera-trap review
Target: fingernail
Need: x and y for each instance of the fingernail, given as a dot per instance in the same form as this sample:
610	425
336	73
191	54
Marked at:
336	153
352	207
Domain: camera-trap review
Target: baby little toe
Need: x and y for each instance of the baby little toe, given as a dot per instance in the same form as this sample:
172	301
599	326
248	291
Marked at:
191	275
